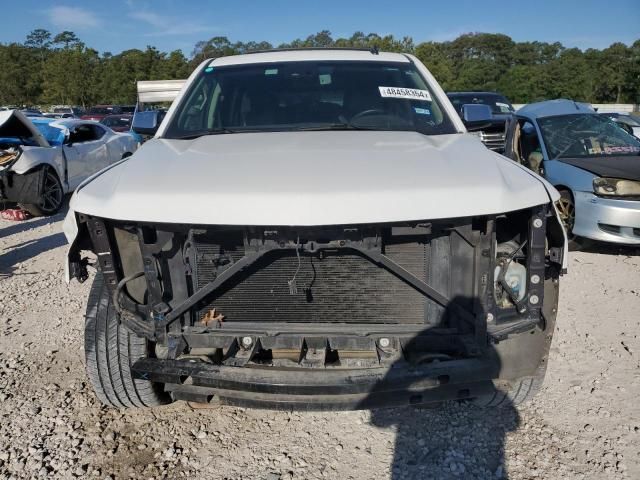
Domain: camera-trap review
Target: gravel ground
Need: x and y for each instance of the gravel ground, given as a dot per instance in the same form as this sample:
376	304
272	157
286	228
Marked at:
584	424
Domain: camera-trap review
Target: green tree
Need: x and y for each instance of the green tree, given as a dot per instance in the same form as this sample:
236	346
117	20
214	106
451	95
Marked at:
60	68
67	39
615	82
20	83
71	75
437	59
525	83
569	76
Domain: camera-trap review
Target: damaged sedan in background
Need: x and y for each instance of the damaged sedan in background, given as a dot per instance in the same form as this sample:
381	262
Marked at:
592	161
42	159
329	237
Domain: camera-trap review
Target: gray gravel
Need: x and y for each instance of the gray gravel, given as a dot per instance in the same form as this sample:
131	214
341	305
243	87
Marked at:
584	424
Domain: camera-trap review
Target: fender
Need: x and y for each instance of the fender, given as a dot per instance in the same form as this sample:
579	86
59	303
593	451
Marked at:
34	157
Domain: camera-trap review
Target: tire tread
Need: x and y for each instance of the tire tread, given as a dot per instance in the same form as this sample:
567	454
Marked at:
110	351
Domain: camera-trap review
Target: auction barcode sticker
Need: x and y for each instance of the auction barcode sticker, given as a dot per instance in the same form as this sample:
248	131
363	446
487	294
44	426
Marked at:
407	93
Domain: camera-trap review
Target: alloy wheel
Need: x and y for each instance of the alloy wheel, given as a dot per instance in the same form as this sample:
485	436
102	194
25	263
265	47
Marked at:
52	194
567	213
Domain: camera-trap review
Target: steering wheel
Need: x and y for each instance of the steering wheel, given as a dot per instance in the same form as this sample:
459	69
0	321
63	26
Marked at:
364	113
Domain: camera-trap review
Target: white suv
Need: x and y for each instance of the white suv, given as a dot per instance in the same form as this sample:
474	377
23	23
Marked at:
315	229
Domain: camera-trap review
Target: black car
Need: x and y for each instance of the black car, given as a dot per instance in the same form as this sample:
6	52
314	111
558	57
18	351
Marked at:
493	135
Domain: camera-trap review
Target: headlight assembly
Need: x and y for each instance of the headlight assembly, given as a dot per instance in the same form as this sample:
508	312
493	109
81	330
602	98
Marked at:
9	157
616	187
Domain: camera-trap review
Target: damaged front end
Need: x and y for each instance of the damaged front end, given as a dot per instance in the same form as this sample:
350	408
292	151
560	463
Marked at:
346	316
16	133
14	187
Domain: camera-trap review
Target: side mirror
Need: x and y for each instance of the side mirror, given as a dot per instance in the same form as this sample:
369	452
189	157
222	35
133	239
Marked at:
476	116
146	123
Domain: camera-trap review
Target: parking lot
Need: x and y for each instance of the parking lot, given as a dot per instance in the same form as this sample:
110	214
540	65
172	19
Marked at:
584	424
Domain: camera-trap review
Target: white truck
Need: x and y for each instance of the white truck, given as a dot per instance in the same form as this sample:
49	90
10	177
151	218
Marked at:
315	229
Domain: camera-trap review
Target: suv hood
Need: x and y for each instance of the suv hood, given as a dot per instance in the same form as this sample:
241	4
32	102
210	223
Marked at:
310	178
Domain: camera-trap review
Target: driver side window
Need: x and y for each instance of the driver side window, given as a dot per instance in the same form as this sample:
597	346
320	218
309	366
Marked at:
530	150
85	133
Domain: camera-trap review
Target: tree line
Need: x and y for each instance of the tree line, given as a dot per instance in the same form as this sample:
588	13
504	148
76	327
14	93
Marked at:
49	69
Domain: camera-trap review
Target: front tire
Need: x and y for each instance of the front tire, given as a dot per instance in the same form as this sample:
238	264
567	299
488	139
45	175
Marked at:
518	393
51	195
110	351
567	210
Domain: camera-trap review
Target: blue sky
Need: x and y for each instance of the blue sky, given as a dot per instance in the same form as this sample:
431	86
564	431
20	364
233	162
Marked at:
116	25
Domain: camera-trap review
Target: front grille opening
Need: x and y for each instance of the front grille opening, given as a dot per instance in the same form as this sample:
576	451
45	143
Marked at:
263	357
339	286
332	358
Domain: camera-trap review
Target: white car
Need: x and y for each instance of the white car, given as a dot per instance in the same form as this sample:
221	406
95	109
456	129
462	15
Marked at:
43	159
630	123
316	229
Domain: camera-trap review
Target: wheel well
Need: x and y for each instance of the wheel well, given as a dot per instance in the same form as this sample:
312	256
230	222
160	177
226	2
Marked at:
563	187
560	188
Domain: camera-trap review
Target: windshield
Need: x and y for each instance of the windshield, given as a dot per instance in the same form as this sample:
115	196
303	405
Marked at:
54	134
498	103
586	135
309	96
117	122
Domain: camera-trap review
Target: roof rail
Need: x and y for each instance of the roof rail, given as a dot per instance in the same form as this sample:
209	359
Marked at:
373	50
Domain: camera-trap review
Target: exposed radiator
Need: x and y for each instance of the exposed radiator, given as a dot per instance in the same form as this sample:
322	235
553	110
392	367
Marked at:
344	288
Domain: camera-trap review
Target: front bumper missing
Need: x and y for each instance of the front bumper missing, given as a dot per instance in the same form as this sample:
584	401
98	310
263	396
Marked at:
321	388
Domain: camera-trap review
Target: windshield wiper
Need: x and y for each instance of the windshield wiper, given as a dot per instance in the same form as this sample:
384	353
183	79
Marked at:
209	131
337	126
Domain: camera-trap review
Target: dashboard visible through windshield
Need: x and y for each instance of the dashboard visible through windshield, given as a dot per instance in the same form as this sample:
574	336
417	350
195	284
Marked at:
309	95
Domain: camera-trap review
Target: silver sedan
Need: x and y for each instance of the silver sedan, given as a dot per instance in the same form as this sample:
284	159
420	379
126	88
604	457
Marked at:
593	162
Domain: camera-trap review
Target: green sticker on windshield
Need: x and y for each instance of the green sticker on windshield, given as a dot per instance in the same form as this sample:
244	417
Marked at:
325	78
208	70
271	71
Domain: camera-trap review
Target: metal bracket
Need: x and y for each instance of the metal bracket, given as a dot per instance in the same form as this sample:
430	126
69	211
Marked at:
316	352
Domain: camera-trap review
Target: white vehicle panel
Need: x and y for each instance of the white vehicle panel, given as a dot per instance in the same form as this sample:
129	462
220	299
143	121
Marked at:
33	156
310	178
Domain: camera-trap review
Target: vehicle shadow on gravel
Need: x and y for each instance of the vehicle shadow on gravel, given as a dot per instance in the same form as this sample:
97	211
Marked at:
19	227
455	439
12	255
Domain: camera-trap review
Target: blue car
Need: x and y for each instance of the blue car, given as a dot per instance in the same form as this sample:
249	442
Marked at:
592	161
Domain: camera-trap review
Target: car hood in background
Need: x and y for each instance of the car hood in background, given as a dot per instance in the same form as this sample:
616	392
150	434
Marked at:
14	124
624	166
311	178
